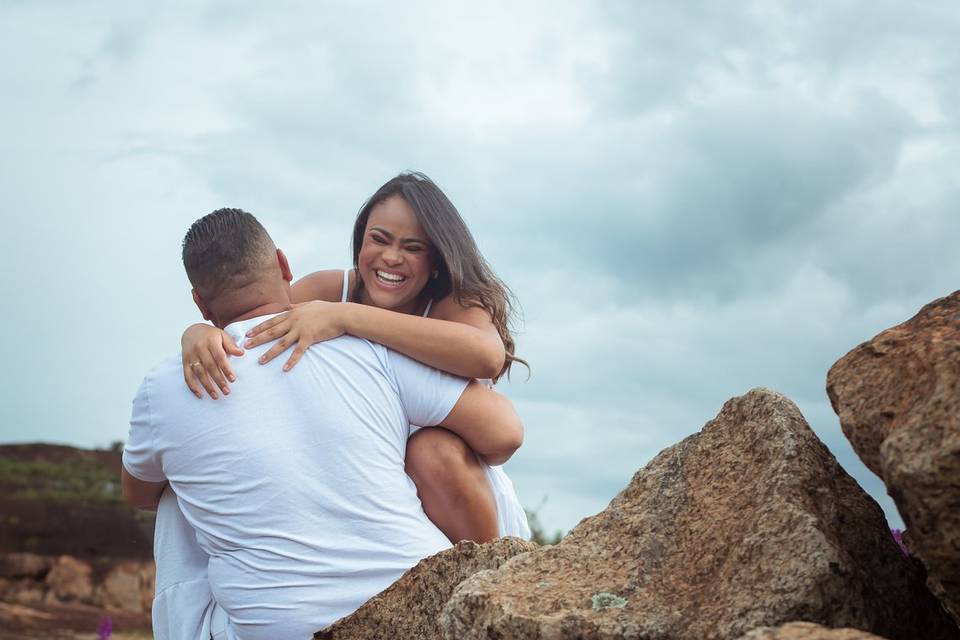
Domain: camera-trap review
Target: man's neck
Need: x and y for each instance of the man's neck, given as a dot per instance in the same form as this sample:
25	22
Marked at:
261	310
250	301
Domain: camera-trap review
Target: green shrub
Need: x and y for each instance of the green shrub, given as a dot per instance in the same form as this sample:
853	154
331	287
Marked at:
537	533
74	479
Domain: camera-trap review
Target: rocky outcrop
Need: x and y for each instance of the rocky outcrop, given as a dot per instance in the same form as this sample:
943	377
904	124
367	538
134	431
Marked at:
898	399
807	631
128	586
750	523
25	565
23	591
31	579
410	608
70	580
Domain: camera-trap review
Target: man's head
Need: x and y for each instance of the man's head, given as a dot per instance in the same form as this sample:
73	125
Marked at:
233	266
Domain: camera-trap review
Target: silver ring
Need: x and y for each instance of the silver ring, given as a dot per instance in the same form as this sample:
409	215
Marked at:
195	364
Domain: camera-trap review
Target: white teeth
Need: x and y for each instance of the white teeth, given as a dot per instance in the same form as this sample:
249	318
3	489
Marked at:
390	277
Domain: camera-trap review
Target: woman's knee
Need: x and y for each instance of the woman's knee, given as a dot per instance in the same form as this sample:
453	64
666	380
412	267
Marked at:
437	456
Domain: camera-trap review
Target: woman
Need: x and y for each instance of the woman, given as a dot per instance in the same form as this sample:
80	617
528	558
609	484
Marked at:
421	287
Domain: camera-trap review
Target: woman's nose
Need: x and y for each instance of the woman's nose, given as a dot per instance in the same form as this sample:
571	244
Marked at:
391	255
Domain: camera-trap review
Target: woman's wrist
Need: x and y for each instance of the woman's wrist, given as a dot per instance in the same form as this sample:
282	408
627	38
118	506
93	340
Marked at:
192	330
346	316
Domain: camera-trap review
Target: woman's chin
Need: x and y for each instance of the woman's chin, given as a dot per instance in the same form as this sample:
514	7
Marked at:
402	298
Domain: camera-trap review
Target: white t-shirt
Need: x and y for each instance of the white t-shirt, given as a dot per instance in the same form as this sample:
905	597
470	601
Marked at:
295	482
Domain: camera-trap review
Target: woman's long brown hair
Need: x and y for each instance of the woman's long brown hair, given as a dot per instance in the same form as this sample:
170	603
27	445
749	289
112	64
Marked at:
462	271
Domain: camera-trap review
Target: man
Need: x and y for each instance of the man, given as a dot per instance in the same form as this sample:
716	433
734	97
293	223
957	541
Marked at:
294	489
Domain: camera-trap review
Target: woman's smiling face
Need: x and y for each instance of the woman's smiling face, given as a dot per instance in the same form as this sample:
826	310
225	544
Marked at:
395	258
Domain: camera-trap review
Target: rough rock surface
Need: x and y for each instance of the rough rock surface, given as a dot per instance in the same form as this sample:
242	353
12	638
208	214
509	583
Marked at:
898	398
410	607
750	523
127	586
24	565
24	591
70	579
115	585
807	631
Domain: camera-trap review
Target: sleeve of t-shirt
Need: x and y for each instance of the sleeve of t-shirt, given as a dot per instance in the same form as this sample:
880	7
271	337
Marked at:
427	394
140	455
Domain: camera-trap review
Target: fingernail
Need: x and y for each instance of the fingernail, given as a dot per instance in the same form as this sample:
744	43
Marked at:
262	359
226	392
232	378
247	344
214	396
286	367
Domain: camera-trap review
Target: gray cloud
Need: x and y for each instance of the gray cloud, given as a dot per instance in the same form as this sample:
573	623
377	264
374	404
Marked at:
688	201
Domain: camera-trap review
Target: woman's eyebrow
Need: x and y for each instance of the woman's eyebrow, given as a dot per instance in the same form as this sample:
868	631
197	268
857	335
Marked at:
390	236
383	231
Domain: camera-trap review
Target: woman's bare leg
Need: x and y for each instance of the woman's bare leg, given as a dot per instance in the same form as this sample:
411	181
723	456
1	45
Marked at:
452	485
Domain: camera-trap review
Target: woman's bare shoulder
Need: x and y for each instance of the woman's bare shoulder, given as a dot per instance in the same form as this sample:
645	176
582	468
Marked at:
320	285
449	309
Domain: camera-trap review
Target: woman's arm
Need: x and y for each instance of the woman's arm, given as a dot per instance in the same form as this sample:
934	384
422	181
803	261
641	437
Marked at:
460	340
140	493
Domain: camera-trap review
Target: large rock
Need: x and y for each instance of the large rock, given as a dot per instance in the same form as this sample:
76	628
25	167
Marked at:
24	591
750	523
127	586
24	565
70	580
411	606
807	631
148	585
898	398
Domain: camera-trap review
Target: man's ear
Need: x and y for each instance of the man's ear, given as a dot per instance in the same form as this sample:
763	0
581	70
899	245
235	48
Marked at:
204	309
284	266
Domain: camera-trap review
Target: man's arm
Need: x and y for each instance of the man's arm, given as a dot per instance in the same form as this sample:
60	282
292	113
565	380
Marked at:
140	493
140	455
487	422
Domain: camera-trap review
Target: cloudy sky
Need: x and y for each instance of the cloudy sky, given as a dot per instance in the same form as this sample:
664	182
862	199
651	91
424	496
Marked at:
689	199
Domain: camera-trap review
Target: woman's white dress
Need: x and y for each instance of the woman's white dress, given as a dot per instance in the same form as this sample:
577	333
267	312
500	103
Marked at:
511	518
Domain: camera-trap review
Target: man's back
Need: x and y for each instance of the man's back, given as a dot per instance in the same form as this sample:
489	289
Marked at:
295	483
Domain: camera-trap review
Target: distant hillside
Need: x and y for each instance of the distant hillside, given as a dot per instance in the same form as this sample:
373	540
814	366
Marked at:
56	499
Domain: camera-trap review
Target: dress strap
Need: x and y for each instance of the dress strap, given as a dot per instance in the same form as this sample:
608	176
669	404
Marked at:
346	285
426	312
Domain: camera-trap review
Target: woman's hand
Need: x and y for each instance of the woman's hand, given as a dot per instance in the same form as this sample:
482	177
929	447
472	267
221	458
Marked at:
306	324
205	362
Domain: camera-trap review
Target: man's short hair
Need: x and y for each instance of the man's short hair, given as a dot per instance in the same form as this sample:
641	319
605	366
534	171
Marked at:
226	250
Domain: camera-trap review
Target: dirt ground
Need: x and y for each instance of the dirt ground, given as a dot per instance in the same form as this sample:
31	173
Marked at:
73	622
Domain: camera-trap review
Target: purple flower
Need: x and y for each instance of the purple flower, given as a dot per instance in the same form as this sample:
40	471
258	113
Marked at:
105	628
898	536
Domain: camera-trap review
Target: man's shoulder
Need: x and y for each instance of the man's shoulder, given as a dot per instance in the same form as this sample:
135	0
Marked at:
172	364
350	343
372	353
163	373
